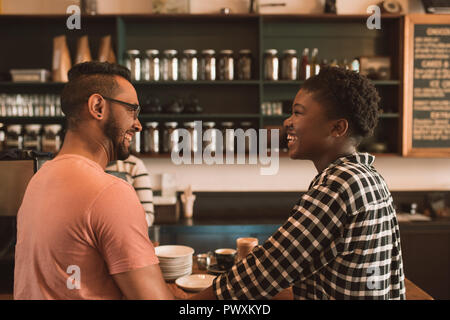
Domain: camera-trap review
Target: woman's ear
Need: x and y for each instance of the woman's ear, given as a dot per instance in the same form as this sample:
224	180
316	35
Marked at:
340	128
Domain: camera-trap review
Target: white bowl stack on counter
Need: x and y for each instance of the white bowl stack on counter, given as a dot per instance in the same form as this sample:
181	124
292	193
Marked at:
174	261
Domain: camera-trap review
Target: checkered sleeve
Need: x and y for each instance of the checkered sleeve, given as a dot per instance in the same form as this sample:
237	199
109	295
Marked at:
309	240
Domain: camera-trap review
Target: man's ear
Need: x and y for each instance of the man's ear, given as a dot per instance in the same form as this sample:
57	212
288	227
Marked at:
340	128
96	106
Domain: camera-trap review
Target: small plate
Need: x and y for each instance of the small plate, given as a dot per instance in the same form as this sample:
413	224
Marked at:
195	282
215	269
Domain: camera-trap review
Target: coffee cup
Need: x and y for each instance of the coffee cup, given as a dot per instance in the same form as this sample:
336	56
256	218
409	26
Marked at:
244	246
225	257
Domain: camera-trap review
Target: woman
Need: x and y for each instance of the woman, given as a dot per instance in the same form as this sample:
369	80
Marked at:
342	240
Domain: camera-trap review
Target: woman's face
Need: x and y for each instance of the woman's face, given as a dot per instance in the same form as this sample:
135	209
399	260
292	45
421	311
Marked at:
308	128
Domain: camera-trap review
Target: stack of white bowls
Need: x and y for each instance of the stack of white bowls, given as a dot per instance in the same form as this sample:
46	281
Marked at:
174	261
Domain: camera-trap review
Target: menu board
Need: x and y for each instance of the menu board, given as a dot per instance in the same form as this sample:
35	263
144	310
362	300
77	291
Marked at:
427	81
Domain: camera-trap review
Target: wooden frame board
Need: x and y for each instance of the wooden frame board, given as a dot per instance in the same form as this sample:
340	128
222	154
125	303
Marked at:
408	86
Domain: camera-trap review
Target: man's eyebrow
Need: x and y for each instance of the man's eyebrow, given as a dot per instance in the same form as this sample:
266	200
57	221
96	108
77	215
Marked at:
298	105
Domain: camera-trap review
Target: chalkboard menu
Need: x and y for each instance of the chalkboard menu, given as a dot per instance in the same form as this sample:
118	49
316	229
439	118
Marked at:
427	81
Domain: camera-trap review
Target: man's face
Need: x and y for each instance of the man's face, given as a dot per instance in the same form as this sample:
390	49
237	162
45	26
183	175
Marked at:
122	124
307	128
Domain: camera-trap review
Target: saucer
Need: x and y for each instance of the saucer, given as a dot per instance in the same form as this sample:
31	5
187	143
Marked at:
195	282
215	269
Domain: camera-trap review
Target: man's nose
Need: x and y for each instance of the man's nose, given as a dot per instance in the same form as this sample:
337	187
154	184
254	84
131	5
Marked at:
287	122
137	125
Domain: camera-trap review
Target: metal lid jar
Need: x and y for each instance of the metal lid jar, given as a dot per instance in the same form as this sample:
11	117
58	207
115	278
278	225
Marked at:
14	138
271	64
189	65
51	140
289	65
32	138
210	137
133	63
226	65
171	137
208	65
151	137
169	67
244	65
150	67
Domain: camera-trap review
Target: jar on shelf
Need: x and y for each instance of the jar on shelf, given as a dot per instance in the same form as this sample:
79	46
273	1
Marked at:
14	138
226	65
32	137
169	67
133	63
244	65
151	137
208	65
210	136
135	145
228	136
171	137
189	65
271	64
2	137
51	139
150	66
194	136
289	69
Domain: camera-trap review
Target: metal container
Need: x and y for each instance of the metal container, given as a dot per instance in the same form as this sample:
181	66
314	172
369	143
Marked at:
135	145
32	138
151	137
244	65
171	137
226	65
271	65
169	67
189	65
133	62
245	125
150	67
2	137
208	65
289	63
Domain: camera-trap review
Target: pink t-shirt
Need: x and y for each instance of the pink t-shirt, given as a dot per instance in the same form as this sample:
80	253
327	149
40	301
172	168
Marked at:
76	227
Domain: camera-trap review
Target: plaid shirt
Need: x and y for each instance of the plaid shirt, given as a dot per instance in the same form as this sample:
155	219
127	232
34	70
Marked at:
342	241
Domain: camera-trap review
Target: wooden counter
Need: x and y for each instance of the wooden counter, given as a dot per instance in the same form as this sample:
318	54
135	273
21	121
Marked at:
413	292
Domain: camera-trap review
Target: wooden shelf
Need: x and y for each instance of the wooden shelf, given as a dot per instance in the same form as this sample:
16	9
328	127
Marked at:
300	82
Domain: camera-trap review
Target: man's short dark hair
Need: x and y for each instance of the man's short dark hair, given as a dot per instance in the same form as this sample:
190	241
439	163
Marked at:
347	94
85	79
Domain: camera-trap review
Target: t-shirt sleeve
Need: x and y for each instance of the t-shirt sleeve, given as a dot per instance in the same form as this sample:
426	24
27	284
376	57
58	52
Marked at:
120	229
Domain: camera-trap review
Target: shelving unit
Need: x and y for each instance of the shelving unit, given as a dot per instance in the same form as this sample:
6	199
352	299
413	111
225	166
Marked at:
341	36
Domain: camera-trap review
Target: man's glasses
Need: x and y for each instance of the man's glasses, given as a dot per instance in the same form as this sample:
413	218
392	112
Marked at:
136	108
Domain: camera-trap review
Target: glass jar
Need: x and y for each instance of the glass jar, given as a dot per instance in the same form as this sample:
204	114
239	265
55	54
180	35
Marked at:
135	145
169	67
208	65
271	65
133	63
210	136
32	138
51	140
289	62
244	65
171	137
2	137
151	137
228	136
150	67
188	65
193	142
14	138
226	65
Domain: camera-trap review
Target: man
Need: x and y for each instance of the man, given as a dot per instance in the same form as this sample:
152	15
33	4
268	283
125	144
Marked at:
133	171
342	240
82	233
